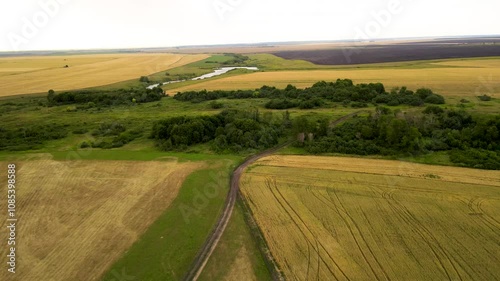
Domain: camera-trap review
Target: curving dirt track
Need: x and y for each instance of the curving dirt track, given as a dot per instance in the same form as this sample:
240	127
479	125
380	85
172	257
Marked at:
212	241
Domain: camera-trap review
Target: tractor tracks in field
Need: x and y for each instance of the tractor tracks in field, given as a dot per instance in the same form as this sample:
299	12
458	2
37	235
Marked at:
280	198
353	228
475	205
213	239
270	184
447	262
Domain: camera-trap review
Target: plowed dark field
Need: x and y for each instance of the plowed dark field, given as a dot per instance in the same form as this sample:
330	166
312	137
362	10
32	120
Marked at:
426	50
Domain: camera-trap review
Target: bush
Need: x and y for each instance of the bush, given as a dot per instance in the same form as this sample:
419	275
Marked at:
393	102
476	158
433	109
484	98
423	93
31	136
84	144
109	129
434	99
311	103
80	131
216	105
281	104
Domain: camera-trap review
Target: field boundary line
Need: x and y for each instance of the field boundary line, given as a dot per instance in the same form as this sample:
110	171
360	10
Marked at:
213	239
379	174
257	234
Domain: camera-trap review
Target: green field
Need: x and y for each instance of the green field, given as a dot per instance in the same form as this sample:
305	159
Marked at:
170	245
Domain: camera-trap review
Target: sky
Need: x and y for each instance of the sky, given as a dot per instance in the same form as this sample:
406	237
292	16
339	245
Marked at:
108	24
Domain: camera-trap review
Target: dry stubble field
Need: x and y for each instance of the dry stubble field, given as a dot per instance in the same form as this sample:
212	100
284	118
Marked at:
38	74
331	218
70	213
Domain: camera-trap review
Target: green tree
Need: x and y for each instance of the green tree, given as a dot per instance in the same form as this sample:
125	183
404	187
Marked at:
50	96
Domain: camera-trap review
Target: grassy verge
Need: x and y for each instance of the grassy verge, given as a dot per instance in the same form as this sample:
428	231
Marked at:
169	246
237	256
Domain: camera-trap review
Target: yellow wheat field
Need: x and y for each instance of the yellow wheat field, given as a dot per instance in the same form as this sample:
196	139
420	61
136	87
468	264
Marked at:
76	218
331	218
36	74
466	78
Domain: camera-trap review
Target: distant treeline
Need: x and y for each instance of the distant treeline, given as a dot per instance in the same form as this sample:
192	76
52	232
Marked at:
343	90
236	60
106	98
470	141
229	130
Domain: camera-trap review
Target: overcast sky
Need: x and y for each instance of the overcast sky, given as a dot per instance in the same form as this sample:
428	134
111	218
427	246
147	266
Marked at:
91	24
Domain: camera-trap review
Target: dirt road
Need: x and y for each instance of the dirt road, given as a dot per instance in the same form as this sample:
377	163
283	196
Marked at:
212	241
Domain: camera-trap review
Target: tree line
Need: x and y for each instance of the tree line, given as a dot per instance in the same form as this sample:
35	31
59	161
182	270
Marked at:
230	130
472	141
105	98
343	90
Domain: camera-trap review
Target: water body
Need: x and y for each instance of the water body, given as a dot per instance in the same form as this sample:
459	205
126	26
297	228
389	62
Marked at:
216	72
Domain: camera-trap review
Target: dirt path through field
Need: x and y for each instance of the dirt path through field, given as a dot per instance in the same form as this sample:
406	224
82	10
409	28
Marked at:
212	241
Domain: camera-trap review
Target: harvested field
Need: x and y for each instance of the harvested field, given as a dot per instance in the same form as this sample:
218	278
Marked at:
77	218
37	74
453	78
331	218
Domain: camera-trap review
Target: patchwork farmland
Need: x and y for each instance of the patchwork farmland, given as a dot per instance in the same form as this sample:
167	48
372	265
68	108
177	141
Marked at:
71	213
154	174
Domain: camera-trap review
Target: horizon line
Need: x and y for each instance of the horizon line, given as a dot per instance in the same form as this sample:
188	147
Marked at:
243	44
